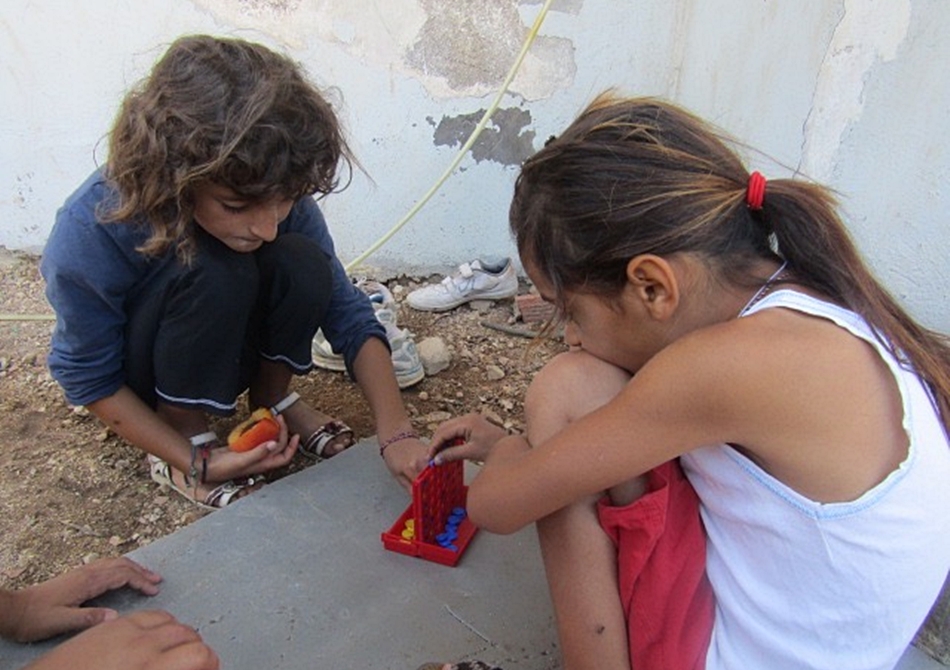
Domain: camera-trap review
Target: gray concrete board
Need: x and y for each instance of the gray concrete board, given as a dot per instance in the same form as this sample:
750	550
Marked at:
296	577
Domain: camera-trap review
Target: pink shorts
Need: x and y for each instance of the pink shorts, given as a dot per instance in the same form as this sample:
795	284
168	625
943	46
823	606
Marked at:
661	558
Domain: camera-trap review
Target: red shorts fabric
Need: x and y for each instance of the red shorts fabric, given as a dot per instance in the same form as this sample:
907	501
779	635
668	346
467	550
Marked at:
661	558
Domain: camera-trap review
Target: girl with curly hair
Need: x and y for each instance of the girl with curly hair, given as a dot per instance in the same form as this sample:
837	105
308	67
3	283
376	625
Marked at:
196	265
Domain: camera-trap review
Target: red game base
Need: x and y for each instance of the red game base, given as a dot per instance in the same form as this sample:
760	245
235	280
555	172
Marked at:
436	492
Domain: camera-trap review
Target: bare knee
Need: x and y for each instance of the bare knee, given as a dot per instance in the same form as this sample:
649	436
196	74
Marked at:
571	385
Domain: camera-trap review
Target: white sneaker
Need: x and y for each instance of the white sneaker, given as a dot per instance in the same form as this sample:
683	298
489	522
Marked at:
324	356
406	363
479	280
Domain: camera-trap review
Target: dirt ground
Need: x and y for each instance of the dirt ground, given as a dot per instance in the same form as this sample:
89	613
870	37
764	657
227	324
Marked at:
71	491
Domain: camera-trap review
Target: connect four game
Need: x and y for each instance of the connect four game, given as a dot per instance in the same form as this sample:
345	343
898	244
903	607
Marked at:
435	526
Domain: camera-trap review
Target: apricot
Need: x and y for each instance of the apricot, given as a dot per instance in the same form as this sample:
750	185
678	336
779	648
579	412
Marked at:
259	428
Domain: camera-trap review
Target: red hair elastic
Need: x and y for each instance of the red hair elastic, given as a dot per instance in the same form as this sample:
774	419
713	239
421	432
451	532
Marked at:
755	192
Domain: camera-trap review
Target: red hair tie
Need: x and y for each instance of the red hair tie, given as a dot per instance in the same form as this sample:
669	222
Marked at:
755	192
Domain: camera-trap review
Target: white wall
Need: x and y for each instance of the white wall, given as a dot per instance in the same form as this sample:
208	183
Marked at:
850	92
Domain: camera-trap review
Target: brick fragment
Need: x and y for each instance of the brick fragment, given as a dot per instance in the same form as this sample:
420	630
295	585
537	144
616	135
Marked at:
531	308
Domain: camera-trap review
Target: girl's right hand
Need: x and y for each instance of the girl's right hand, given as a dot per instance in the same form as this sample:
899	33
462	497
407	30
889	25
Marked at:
479	435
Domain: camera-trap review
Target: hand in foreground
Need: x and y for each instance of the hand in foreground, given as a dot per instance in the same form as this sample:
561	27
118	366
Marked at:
53	607
406	459
478	433
145	640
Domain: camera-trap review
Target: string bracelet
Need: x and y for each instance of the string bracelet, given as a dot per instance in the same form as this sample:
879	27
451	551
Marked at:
398	437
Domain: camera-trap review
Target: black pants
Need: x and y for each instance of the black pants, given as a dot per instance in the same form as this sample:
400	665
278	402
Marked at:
196	335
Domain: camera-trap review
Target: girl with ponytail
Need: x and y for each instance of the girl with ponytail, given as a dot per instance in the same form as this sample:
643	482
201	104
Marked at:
742	461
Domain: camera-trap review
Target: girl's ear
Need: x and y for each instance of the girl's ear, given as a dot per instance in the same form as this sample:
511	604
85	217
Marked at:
652	282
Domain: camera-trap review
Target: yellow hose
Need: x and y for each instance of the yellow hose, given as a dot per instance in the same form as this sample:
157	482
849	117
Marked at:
468	144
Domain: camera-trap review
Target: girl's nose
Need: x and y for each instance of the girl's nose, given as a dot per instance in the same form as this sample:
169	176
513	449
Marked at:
266	219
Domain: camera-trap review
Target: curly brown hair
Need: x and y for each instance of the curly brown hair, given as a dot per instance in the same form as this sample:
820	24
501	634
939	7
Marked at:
224	111
632	176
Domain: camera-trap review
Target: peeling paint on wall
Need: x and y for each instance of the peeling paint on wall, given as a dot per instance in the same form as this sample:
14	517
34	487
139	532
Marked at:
468	43
566	6
258	7
503	141
473	46
453	48
23	190
868	33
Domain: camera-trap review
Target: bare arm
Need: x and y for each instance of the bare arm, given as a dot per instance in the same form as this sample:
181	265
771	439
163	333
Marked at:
373	369
667	409
809	403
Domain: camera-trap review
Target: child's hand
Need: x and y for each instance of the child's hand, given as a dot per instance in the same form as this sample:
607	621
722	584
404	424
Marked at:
226	464
479	436
406	459
146	640
53	607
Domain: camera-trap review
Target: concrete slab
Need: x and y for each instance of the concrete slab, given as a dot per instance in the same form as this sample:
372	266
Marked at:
295	577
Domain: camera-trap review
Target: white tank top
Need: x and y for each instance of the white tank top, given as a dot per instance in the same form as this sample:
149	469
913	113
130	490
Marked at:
802	584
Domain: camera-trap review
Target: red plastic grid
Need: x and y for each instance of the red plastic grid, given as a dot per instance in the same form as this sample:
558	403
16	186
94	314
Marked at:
435	493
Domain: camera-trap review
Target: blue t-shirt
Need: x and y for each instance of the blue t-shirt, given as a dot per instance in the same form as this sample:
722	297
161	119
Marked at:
91	269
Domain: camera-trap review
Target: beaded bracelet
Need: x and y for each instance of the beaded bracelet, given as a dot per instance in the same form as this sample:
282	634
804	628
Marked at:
398	437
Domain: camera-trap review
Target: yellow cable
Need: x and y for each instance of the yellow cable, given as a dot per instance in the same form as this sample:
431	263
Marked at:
468	144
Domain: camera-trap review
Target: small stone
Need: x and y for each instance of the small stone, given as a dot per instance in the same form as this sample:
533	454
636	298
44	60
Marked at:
481	306
494	373
434	354
437	417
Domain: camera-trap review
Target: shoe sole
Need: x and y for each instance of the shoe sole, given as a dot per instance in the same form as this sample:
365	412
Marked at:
405	381
447	306
332	364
